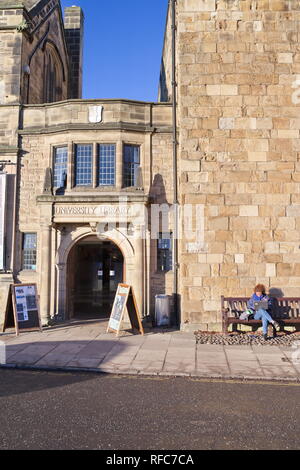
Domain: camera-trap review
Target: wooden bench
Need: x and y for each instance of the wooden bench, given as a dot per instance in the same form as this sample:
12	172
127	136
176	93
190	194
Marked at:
285	310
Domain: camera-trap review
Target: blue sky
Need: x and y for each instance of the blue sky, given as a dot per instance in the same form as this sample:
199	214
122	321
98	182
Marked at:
123	47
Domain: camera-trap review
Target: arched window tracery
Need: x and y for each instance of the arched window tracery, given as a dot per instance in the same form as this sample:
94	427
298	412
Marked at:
53	76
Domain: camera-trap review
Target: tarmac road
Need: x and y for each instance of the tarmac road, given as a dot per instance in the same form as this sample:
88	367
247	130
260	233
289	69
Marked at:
57	410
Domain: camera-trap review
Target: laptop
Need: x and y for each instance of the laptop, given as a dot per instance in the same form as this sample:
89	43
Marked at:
262	304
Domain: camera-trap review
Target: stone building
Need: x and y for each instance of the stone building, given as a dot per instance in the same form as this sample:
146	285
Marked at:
238	65
66	163
81	175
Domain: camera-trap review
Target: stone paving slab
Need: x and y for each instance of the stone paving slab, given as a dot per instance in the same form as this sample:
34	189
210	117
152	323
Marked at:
165	353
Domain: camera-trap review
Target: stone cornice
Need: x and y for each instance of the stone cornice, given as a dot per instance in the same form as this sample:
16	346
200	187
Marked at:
98	101
17	6
115	126
9	150
95	199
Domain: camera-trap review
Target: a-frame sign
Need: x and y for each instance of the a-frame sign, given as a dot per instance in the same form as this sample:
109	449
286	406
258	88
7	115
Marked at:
22	309
125	298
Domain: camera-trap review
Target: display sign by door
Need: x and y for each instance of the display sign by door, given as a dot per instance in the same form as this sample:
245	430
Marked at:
22	309
125	298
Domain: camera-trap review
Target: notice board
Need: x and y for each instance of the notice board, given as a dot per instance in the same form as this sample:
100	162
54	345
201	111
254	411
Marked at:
22	309
125	299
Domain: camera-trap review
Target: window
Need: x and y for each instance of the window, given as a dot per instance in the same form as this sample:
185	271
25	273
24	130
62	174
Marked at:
53	75
83	165
106	165
164	252
131	163
60	167
29	251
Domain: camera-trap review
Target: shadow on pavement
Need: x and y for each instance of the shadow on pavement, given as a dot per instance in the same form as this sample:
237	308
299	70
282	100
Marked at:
17	382
89	354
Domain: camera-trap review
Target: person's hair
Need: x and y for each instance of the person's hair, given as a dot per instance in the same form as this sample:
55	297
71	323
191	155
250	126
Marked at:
260	288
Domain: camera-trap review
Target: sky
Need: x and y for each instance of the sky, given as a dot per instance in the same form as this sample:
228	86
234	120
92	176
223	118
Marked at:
123	44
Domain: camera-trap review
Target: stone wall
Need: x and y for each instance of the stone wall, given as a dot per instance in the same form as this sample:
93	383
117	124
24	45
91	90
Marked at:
165	81
76	112
239	119
161	192
10	55
46	38
25	40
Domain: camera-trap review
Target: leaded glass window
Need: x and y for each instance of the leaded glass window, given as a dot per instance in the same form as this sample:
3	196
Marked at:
164	252
131	163
60	167
106	165
29	251
83	165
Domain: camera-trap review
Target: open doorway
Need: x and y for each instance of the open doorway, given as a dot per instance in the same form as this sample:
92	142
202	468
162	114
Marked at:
95	268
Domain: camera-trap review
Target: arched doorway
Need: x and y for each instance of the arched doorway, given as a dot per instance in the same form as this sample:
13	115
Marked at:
95	268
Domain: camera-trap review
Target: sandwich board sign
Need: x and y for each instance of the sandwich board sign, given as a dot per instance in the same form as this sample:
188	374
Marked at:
22	309
125	298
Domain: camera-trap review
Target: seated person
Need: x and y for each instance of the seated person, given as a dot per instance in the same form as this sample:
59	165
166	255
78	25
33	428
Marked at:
262	314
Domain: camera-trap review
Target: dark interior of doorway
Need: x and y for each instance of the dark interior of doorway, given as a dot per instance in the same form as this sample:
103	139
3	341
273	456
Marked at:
95	270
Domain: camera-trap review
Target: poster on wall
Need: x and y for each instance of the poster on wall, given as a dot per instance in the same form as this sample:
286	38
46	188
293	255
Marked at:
3	183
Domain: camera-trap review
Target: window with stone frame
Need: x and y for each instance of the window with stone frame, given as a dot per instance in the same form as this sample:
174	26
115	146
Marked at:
106	165
29	251
131	165
84	165
60	167
165	252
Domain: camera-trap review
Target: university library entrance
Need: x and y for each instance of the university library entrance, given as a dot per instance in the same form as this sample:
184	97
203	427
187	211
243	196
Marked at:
95	268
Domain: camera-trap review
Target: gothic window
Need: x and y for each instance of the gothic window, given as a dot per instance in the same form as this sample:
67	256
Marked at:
52	79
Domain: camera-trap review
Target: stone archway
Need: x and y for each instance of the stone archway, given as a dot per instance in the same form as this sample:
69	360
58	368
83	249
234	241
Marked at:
132	252
95	267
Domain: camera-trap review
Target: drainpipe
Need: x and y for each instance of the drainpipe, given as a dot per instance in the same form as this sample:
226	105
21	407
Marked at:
175	166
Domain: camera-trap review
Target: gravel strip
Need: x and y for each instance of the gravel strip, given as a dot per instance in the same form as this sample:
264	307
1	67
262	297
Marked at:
245	338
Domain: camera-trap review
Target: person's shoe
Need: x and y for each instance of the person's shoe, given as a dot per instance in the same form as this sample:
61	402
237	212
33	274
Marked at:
276	326
265	337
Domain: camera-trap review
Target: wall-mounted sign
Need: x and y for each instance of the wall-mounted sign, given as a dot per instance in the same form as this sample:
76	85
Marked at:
3	183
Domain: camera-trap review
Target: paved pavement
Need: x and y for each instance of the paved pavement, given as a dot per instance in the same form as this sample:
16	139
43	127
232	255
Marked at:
87	346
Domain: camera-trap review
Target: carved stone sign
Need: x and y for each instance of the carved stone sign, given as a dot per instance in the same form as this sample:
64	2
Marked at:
75	210
91	213
95	114
3	177
98	211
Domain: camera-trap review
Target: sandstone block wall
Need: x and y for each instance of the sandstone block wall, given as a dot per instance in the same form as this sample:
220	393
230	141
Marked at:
10	55
239	122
